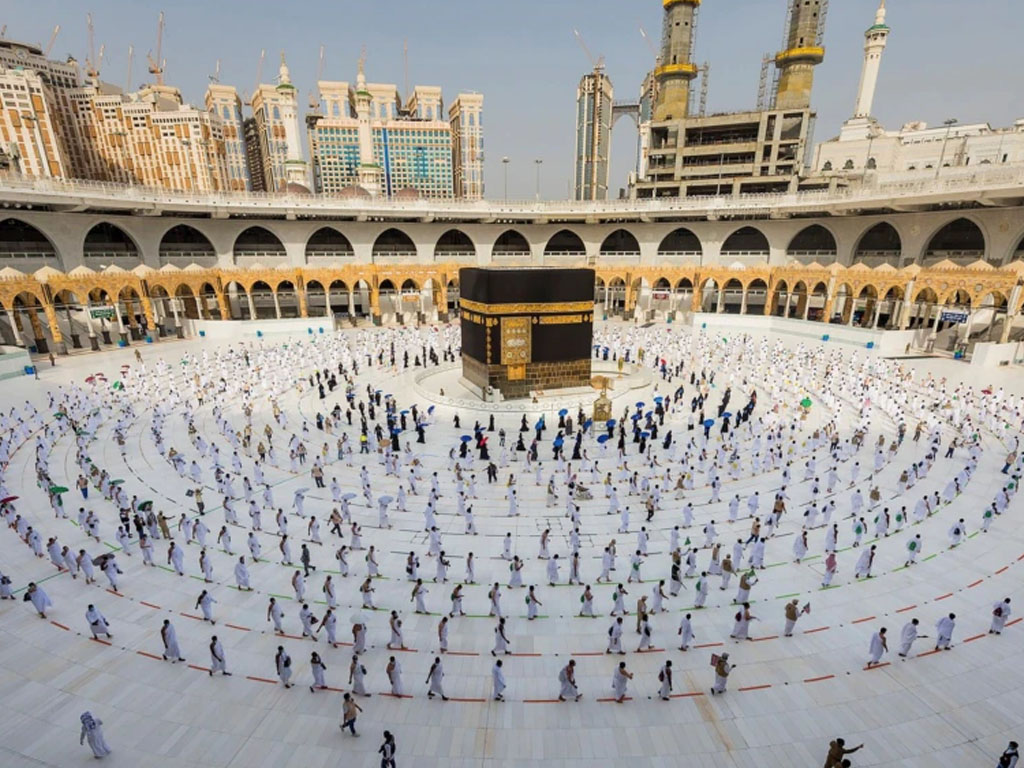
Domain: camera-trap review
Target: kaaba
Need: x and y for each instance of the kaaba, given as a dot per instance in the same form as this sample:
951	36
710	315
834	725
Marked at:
526	330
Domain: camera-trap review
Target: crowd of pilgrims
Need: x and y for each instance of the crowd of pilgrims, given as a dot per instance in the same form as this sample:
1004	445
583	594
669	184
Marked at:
819	430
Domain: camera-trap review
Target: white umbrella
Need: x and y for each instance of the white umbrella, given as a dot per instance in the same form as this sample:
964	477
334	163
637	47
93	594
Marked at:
386	499
349	496
358	618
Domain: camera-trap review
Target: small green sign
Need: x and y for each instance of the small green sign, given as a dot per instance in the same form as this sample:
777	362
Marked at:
102	312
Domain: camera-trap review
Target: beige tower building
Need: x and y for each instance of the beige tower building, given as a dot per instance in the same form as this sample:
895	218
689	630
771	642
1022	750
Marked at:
29	143
276	113
594	105
224	102
466	118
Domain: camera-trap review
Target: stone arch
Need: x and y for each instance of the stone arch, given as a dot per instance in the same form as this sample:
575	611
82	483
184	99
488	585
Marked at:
890	303
796	309
25	247
106	242
879	244
261	297
256	244
617	294
778	298
755	297
732	296
680	242
815	243
510	244
960	241
600	289
746	241
454	244
183	244
238	301
393	243
328	243
1018	252
565	242
621	242
286	295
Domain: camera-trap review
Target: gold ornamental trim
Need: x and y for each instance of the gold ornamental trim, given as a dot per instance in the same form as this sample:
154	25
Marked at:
561	319
516	346
528	308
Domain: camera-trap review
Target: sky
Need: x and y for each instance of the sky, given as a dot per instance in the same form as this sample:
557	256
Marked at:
946	58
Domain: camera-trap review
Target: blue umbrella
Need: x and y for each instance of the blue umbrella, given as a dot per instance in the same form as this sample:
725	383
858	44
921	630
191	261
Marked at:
396	431
636	417
648	414
726	415
378	391
403	413
640	405
602	439
610	423
539	424
709	422
430	409
659	399
645	434
587	423
564	412
558	442
465	438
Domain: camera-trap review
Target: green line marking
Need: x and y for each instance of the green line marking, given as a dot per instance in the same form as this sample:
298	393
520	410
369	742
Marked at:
925	560
282	597
971	536
793	594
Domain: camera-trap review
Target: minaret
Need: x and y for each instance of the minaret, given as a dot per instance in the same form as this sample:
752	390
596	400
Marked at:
675	70
294	164
796	64
875	39
369	171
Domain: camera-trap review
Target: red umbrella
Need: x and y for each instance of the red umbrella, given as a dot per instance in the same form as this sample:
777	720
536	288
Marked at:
8	499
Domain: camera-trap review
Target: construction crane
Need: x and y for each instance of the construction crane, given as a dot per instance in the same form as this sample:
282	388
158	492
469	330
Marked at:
92	68
314	102
598	63
650	45
215	77
157	65
259	76
53	39
131	61
822	15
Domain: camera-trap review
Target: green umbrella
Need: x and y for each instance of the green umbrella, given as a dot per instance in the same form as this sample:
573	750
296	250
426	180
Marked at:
60	415
146	506
58	489
806	402
117	385
116	482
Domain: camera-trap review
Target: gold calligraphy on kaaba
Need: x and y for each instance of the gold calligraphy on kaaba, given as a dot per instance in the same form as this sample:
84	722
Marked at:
527	308
515	340
562	319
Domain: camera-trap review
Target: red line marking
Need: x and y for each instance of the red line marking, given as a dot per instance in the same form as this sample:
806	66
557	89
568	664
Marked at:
336	690
766	637
974	637
588	653
818	679
541	701
396	696
201	669
460	653
1020	558
190	616
114	592
908	608
686	695
405	650
709	645
97	640
1015	621
877	666
653	650
974	584
58	624
143	602
812	631
627	698
755	687
291	637
943	597
453	698
149	655
928	653
866	618
525	655
235	626
1004	568
261	679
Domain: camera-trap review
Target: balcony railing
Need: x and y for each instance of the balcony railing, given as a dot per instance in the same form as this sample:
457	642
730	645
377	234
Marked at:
881	188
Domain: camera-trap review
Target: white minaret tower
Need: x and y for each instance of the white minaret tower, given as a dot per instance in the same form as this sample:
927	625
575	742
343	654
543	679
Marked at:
295	165
369	171
875	39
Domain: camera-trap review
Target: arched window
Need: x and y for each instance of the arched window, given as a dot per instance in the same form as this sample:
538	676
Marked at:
827	166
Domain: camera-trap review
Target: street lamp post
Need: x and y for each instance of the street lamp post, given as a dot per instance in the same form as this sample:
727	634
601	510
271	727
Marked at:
538	163
504	162
942	156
